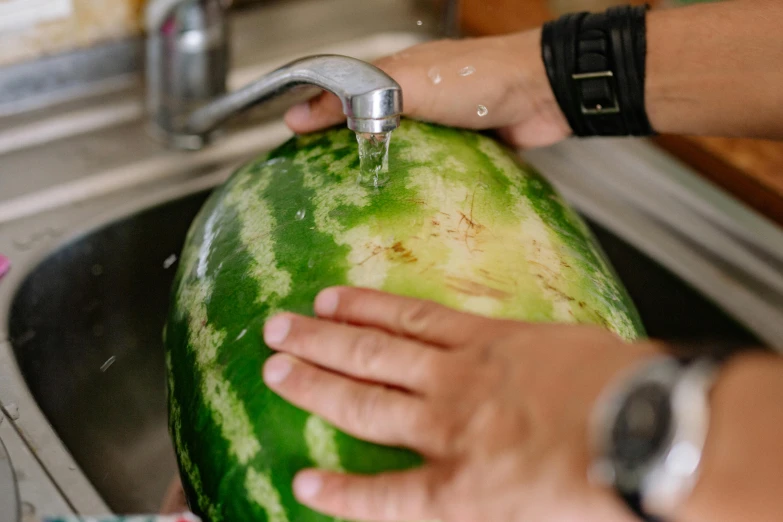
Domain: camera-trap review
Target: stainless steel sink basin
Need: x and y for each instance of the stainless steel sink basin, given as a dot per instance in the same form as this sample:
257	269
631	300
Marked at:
86	330
86	325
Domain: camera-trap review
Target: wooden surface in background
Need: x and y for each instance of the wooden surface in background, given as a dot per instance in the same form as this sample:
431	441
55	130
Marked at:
485	17
90	22
750	169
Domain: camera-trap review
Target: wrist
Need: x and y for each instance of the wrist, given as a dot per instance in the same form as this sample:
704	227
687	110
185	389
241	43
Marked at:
668	103
740	468
540	105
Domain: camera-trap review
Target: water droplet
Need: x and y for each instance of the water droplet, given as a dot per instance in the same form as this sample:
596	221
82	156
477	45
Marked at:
97	270
300	214
467	71
419	23
105	366
311	263
12	410
482	110
434	75
169	261
241	334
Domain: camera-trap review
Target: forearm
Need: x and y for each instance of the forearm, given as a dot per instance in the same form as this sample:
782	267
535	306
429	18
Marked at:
716	69
742	467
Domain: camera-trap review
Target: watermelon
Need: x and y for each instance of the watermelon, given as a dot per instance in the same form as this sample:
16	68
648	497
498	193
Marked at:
461	221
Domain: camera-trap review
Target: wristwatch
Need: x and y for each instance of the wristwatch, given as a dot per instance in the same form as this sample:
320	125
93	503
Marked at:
648	432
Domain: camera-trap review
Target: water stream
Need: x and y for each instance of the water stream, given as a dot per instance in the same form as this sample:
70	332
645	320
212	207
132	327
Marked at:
374	158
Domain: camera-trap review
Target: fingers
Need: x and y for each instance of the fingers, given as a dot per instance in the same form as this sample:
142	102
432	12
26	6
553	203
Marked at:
385	497
367	411
174	502
418	319
447	81
318	113
364	353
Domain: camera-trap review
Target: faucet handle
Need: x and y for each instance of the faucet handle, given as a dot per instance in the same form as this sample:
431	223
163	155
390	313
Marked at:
187	62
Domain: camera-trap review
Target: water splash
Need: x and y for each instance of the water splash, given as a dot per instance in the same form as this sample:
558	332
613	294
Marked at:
419	23
300	214
169	261
374	158
105	366
482	111
241	334
434	75
467	71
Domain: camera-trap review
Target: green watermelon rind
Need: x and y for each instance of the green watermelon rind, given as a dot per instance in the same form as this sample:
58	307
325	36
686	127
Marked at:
295	221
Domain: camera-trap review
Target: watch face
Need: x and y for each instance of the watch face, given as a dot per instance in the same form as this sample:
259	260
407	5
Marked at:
642	426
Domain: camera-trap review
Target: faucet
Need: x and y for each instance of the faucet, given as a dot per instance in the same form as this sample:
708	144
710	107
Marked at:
187	70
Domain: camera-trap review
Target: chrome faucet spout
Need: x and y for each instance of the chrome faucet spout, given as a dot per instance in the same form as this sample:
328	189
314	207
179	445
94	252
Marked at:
187	70
371	100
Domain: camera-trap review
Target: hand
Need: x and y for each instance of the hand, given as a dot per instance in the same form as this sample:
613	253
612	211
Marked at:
174	502
499	409
509	80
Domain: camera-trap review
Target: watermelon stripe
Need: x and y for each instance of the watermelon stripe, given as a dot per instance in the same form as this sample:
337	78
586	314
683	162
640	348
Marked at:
260	488
205	341
322	444
294	206
187	465
255	233
219	397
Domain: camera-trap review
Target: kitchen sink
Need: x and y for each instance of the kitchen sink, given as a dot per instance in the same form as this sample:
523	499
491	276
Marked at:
86	323
93	214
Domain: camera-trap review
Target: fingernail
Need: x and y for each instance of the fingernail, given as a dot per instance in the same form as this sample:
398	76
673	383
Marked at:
300	113
276	330
277	369
326	302
307	484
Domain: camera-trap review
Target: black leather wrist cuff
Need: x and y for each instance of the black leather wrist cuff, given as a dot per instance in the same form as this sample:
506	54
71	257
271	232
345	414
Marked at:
596	65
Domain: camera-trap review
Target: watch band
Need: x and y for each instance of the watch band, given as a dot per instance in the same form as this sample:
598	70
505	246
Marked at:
595	80
596	64
633	501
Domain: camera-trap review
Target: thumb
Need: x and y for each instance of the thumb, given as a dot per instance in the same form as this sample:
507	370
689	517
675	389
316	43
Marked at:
318	113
